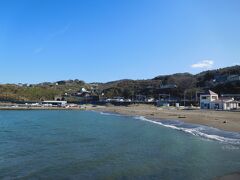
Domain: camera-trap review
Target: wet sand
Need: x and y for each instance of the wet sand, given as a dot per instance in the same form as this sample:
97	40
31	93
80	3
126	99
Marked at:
225	120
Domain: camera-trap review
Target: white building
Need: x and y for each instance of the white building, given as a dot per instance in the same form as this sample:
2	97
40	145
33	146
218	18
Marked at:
55	103
210	100
207	99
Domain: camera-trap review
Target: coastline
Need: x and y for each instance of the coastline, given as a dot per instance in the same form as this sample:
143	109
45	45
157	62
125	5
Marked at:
39	108
223	120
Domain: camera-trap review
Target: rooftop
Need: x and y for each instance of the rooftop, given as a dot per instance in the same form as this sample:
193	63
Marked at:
209	92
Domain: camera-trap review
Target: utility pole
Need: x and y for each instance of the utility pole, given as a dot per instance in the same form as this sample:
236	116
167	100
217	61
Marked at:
222	102
196	96
184	94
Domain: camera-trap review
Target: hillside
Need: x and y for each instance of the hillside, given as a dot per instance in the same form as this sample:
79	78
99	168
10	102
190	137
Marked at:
42	91
225	80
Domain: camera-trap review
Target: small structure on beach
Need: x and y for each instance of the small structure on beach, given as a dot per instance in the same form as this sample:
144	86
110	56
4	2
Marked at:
54	103
210	100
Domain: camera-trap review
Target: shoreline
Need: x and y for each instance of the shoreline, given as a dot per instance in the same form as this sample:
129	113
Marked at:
223	120
39	108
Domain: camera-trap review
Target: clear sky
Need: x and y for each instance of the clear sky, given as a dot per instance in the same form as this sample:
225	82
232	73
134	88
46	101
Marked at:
104	40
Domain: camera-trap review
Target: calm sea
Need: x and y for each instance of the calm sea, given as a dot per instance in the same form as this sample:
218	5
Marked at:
92	145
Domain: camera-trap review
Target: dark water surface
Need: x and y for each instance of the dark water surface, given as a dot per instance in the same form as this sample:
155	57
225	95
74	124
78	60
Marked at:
90	145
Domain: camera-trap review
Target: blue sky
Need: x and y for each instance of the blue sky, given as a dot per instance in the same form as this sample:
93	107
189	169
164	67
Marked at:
104	40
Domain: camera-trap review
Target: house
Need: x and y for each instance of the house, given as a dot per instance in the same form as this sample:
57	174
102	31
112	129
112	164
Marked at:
225	104
207	99
83	90
234	78
210	100
220	78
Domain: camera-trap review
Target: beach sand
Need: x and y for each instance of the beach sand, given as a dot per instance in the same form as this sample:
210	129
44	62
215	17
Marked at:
225	120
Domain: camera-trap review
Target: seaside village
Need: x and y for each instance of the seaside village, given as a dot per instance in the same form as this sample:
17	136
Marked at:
207	100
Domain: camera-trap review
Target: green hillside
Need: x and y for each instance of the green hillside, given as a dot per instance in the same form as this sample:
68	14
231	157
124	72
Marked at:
223	80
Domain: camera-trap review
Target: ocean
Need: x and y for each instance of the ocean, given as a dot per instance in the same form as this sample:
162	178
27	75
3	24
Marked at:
52	144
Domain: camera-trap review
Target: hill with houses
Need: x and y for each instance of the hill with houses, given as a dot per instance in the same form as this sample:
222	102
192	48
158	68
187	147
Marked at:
221	81
176	86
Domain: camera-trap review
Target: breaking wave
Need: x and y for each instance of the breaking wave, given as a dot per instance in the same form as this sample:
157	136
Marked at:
198	130
193	129
110	114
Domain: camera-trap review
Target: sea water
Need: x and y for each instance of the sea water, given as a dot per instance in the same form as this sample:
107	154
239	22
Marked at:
46	144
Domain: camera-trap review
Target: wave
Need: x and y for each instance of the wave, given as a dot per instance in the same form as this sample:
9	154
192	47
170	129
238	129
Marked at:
198	130
193	129
110	114
107	113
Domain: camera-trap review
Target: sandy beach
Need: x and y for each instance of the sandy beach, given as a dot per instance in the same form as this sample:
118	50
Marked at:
225	120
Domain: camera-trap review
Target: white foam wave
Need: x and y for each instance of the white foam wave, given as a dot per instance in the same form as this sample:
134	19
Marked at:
194	131
110	114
